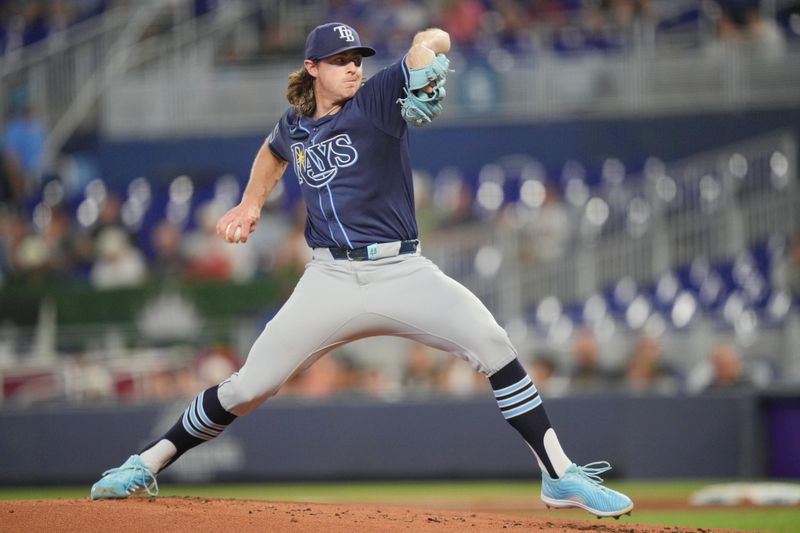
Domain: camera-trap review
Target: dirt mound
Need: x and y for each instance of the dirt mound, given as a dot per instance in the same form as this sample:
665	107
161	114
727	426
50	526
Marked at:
243	516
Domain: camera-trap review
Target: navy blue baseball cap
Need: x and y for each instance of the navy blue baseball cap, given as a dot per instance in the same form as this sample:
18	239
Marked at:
333	38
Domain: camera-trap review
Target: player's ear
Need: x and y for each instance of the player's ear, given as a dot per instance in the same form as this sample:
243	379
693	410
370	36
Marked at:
311	67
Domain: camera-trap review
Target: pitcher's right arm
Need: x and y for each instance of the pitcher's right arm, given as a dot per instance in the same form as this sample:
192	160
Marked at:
267	169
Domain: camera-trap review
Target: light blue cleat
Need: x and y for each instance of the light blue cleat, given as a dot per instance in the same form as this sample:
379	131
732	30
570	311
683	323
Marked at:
122	481
580	486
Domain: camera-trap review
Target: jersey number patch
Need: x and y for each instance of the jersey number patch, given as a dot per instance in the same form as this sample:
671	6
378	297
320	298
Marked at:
318	164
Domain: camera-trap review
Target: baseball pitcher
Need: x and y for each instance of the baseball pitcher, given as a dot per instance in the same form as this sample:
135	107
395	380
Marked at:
347	142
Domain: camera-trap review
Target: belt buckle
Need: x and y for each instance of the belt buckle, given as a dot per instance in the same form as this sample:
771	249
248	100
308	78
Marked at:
347	254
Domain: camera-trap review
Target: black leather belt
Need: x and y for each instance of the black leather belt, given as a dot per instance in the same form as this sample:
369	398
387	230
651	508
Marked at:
365	253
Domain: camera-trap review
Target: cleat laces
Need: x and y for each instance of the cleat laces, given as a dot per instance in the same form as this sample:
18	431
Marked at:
591	472
150	483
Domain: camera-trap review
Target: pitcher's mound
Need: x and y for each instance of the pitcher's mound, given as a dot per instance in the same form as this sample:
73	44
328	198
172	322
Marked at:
169	514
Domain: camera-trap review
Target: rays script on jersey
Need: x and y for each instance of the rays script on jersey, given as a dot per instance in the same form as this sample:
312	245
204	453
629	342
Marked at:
318	164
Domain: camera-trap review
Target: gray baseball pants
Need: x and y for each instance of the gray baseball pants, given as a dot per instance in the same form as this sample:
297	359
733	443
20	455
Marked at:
339	301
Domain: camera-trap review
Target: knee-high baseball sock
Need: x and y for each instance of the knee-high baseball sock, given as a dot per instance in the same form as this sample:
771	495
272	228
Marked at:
204	419
521	406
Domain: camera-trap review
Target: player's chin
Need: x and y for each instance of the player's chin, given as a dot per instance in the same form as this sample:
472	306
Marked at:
349	89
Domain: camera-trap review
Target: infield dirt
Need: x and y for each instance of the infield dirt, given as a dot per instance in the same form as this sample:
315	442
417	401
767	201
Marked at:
173	514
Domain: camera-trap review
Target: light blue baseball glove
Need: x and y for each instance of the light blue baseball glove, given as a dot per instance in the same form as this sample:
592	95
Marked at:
419	108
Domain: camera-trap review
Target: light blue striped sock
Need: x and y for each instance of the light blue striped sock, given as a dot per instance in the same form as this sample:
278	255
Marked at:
521	406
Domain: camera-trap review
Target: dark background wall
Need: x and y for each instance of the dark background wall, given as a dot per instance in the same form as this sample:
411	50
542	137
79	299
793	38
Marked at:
727	436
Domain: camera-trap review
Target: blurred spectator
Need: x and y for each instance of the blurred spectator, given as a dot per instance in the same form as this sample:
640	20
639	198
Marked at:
423	202
30	257
24	142
206	258
60	14
543	369
169	261
167	382
741	21
12	183
462	20
214	365
550	230
203	7
723	370
294	252
646	371
586	374
512	24
118	263
5	255
352	375
452	199
93	381
788	270
4	29
259	32
272	232
458	378
544	376
36	26
322	379
211	258
353	13
768	40
64	246
110	217
626	13
24	23
422	373
81	10
547	13
568	26
728	369
393	23
13	228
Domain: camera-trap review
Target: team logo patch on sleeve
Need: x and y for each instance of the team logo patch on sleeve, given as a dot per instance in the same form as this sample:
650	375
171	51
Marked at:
319	163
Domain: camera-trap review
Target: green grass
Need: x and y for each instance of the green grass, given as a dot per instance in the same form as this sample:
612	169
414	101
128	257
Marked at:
365	491
514	496
767	519
379	492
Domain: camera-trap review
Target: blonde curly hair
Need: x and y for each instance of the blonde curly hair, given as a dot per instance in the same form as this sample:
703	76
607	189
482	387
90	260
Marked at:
300	93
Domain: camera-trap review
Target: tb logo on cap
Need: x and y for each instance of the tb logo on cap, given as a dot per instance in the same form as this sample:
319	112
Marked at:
345	32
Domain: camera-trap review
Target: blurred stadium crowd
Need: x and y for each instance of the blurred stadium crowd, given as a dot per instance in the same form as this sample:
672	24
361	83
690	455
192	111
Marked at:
67	225
567	26
24	23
